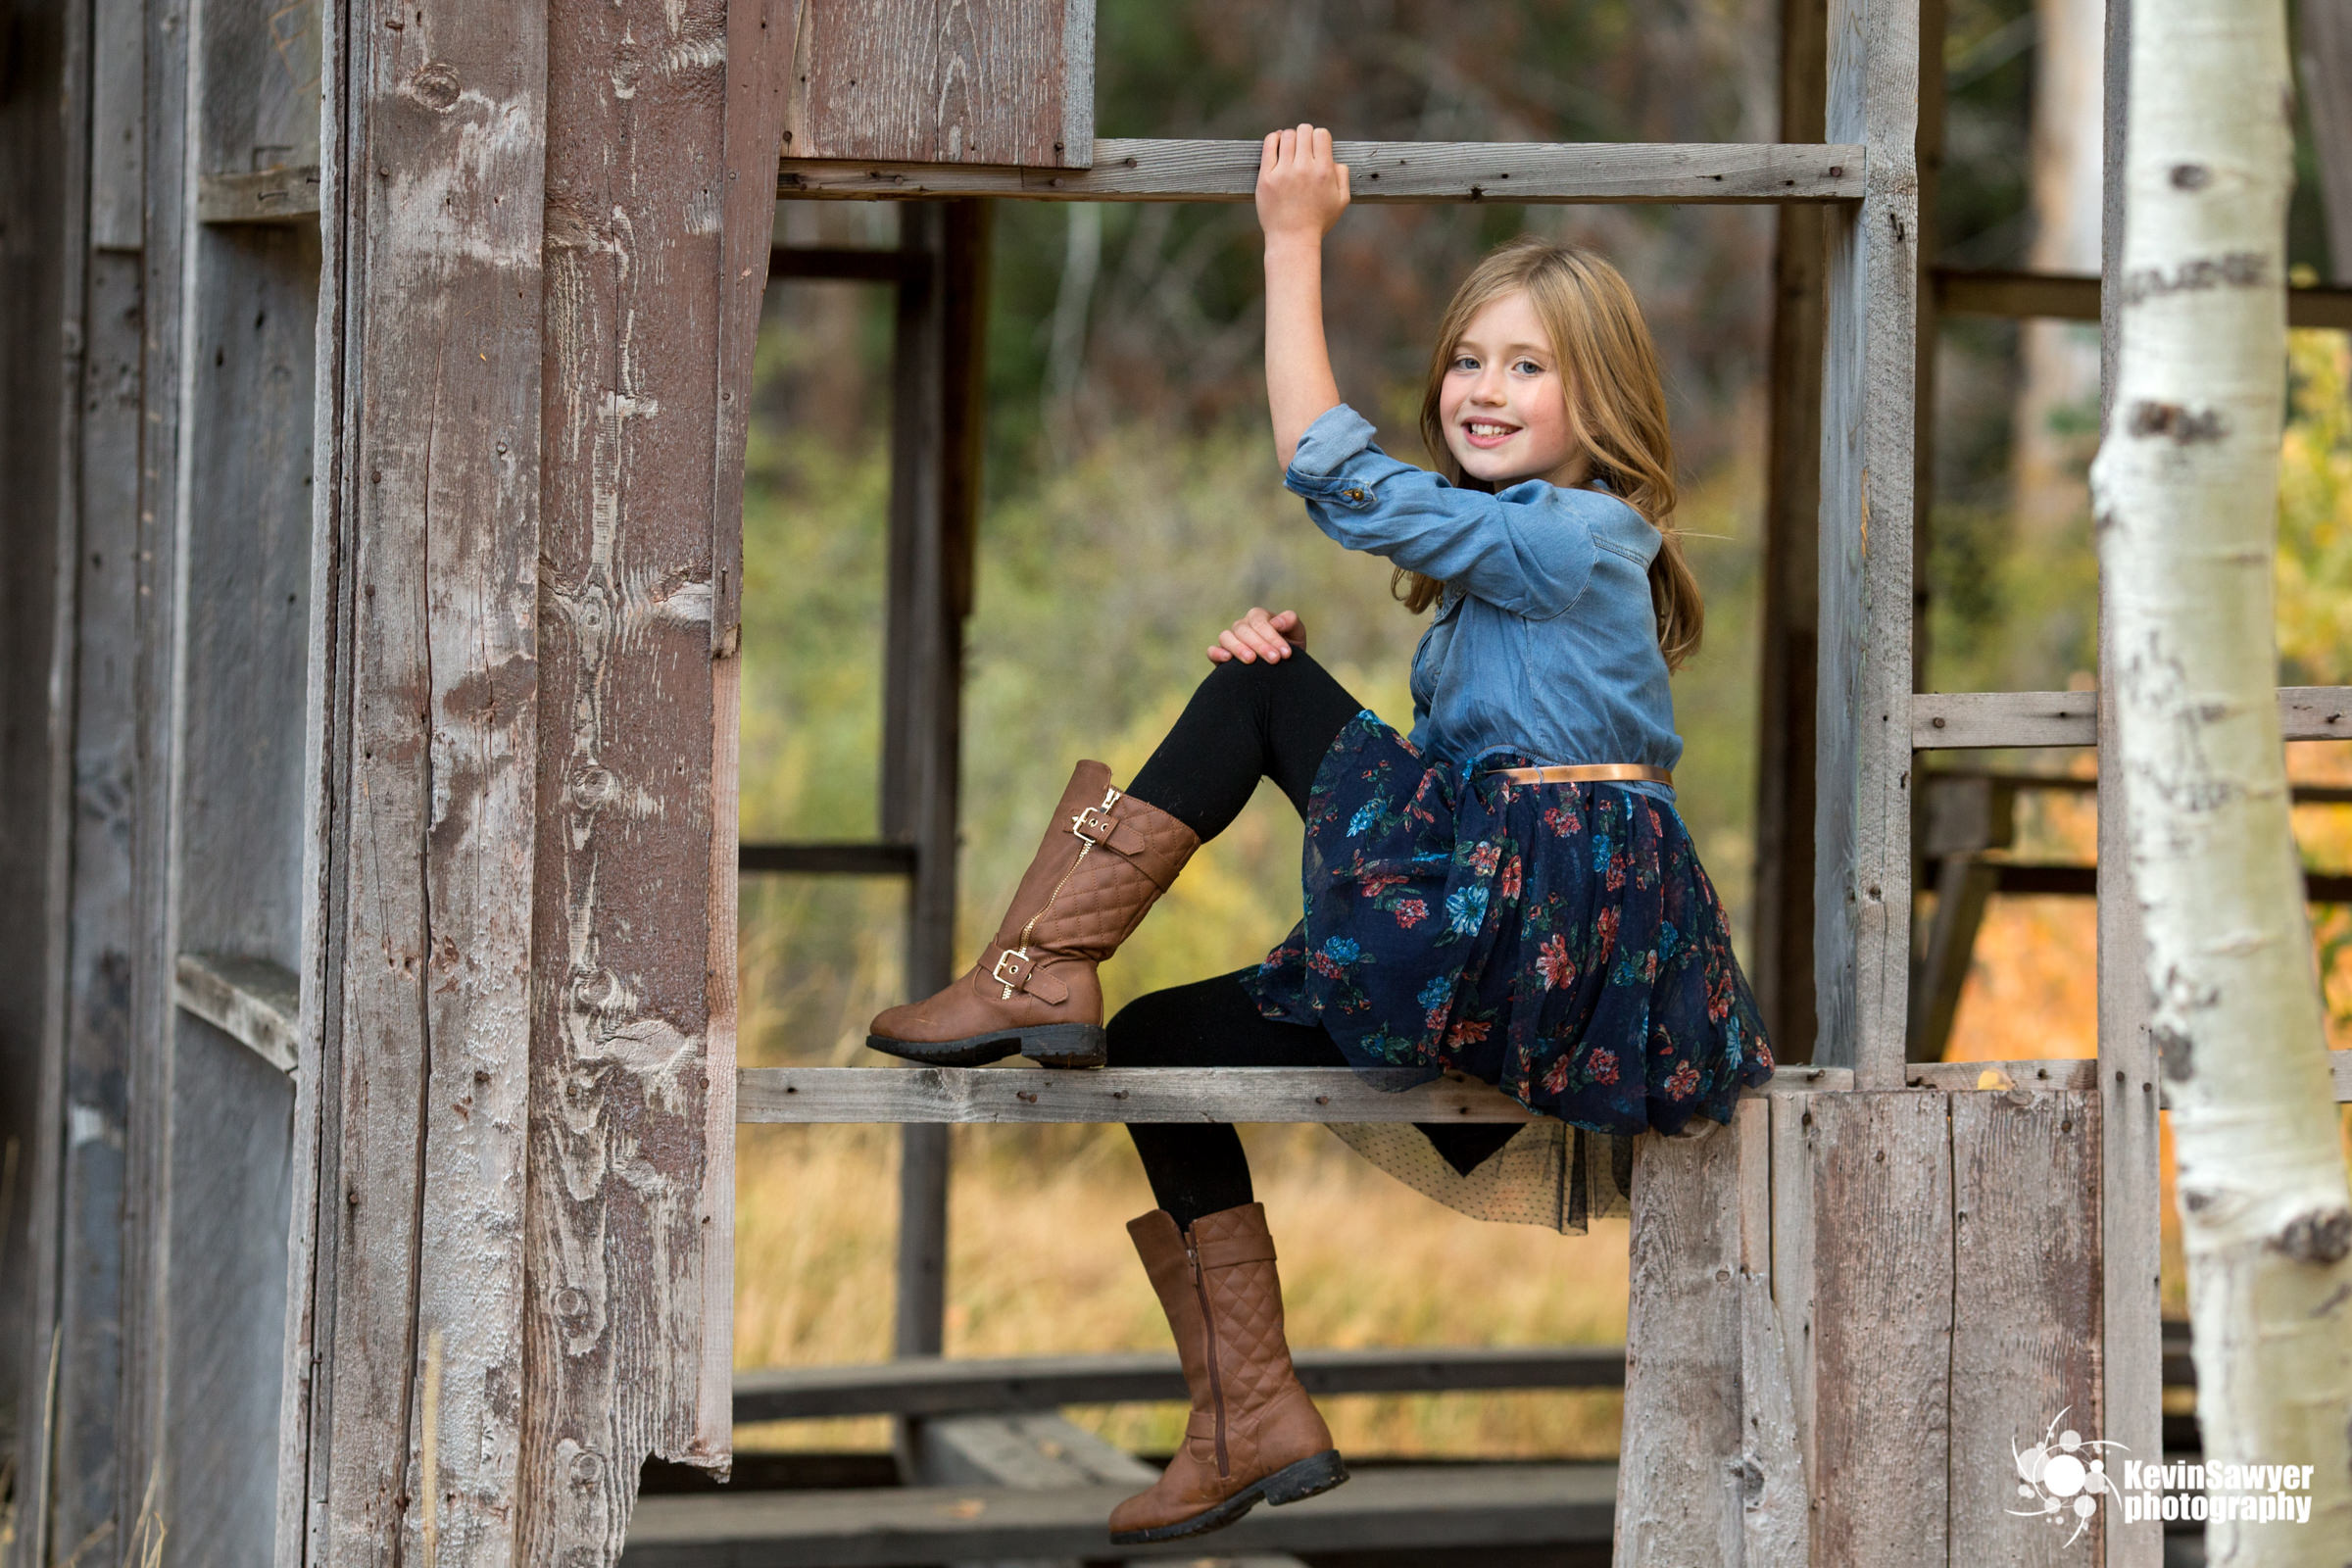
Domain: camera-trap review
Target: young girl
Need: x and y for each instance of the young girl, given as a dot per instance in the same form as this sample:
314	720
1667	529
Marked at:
1508	891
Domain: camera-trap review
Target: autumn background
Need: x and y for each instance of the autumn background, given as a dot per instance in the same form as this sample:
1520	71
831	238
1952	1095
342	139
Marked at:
1133	508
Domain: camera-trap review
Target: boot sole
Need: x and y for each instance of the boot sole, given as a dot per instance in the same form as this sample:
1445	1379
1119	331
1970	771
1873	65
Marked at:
1306	1478
1052	1044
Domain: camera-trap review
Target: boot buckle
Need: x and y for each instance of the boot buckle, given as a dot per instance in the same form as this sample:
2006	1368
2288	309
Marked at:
1098	817
1009	981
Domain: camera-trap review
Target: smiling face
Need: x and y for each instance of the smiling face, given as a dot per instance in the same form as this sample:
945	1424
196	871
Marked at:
1504	402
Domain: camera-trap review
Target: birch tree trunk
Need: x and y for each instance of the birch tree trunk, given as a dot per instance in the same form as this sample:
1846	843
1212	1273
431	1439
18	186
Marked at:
2184	490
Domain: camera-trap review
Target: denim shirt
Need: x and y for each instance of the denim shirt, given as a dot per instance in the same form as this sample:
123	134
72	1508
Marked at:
1545	640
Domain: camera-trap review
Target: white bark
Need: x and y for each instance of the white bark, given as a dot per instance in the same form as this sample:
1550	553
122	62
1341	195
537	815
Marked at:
2185	490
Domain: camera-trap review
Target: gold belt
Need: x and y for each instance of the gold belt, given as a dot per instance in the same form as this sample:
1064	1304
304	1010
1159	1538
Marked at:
1585	773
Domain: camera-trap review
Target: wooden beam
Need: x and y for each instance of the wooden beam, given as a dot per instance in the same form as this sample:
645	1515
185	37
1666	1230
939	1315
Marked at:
406	1344
1137	1094
1862	811
254	1001
1781	944
934	1386
284	194
2067	297
845	263
1975	720
1389	1509
1154	170
2072	1073
828	859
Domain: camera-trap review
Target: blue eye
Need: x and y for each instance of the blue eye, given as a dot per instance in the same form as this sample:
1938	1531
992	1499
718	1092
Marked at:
1464	362
1530	367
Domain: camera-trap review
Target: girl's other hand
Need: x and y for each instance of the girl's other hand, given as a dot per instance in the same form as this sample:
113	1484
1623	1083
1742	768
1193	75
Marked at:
1259	635
1300	191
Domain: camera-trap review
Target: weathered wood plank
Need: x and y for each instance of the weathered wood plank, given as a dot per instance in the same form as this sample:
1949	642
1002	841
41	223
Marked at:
1135	1094
758	67
1157	170
1878	1225
1862	813
2075	1073
86	1485
1971	720
1776	1505
632	1034
255	1002
285	194
2339	1067
1680	1476
1391	1509
429	529
930	1385
1010	82
2025	1350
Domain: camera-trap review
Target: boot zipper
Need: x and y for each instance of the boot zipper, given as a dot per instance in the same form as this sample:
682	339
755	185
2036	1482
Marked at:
1109	797
1216	1382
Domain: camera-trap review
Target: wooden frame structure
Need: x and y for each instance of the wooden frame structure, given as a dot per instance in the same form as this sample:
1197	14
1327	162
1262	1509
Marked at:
370	688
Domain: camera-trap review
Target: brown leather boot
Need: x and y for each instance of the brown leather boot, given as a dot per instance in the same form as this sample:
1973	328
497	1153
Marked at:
1107	856
1253	1432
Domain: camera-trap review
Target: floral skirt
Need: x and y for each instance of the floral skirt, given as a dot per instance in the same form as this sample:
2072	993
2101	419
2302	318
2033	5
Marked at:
1558	941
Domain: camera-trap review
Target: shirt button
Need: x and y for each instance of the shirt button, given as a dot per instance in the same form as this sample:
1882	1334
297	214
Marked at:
1353	494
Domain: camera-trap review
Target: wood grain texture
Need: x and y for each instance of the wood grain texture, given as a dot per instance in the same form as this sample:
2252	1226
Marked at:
2026	1339
1862	821
1172	170
1775	1504
1134	1093
1679	1477
416	1431
946	81
630	1030
1965	720
759	69
1879	1224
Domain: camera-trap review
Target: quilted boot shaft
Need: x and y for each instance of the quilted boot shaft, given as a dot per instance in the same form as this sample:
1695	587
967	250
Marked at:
1106	857
1253	1432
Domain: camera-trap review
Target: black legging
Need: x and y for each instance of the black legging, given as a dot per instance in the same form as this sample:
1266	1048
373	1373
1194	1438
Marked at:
1245	721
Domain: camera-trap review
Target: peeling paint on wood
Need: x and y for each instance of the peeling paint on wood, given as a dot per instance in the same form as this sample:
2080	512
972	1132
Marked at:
649	318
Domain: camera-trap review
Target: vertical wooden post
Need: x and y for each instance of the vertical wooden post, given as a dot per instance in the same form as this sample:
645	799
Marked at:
2130	1209
1862	821
1781	948
935	451
1921	1044
424	697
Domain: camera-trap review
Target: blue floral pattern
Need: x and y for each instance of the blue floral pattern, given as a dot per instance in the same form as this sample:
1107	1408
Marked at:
1559	941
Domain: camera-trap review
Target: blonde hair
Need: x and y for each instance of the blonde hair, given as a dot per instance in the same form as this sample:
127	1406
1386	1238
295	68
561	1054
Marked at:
1616	405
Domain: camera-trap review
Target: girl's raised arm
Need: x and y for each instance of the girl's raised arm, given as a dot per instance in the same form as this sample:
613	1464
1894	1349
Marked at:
1300	193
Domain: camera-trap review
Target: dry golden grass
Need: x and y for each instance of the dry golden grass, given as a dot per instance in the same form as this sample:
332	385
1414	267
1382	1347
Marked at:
1041	1264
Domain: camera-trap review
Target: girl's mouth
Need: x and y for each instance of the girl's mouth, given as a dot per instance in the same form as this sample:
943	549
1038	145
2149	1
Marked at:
1486	434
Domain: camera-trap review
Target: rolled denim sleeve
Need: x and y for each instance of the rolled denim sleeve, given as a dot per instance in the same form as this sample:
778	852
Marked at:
1528	550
